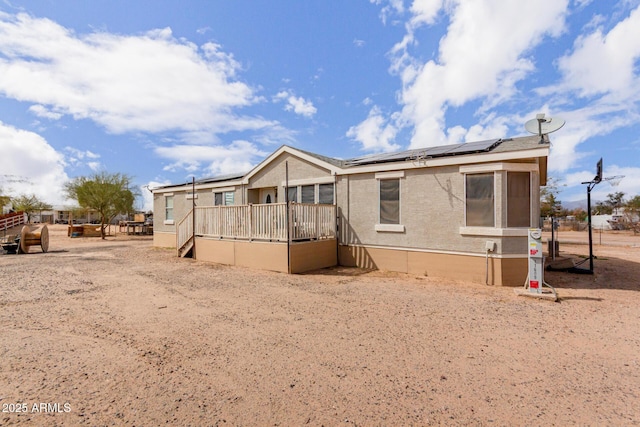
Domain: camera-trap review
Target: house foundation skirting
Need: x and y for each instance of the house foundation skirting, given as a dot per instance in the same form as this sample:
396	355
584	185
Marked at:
502	271
313	255
164	240
304	256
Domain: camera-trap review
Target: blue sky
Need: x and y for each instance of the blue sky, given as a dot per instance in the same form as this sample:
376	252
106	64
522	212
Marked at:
163	90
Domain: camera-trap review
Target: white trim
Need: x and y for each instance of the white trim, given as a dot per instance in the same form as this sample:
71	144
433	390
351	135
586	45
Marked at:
309	181
390	228
189	186
224	190
292	151
501	166
167	194
390	175
378	183
169	222
492	231
190	196
495	197
435	251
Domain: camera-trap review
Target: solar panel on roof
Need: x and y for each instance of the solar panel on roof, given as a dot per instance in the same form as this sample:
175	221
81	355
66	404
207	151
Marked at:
429	152
442	149
471	147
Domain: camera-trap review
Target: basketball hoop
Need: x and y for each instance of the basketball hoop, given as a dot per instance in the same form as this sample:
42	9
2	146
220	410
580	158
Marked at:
614	180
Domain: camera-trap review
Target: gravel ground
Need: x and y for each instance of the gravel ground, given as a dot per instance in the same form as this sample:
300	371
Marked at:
117	332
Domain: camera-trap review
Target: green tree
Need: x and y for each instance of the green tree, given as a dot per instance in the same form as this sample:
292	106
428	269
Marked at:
4	200
29	204
106	193
549	203
615	200
632	214
580	214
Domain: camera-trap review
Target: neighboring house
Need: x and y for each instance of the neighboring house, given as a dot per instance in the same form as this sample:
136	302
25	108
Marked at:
459	211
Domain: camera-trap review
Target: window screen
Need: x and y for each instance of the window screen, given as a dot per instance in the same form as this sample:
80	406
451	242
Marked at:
168	212
480	200
308	194
293	194
518	199
390	201
325	194
217	199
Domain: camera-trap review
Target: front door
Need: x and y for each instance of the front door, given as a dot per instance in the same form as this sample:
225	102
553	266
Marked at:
268	195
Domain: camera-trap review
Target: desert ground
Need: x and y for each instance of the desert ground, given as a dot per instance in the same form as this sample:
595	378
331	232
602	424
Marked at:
117	332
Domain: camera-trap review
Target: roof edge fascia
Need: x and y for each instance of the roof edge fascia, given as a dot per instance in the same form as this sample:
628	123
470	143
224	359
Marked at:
450	161
294	152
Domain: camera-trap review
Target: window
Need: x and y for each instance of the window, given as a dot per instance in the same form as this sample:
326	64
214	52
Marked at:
308	194
325	194
480	206
293	194
223	198
390	201
168	209
229	198
518	199
312	193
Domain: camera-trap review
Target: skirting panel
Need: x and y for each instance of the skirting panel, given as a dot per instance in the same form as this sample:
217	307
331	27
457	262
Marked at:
305	256
500	272
164	240
308	256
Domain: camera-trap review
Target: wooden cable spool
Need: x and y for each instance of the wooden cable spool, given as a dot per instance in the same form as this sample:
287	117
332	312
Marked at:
34	235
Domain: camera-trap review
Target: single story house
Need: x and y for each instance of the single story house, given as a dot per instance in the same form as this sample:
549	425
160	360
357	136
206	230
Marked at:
458	211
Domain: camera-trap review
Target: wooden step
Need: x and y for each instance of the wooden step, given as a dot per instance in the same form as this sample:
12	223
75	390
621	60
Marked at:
185	250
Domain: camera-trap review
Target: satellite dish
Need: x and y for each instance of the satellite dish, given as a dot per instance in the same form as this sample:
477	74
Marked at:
542	125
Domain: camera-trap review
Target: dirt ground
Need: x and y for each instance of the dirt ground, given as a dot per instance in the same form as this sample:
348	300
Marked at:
117	332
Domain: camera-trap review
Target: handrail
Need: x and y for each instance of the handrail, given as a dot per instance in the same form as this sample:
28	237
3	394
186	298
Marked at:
266	222
184	230
11	220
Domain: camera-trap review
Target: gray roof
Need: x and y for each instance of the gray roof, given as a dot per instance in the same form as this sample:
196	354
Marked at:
219	178
477	147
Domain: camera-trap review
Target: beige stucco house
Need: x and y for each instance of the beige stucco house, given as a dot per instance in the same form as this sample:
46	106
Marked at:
458	211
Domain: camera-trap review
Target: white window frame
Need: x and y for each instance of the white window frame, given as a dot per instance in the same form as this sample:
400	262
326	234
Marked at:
497	230
173	200
390	228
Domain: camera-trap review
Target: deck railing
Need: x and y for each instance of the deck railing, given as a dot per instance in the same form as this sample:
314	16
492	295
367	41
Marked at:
260	222
184	230
11	220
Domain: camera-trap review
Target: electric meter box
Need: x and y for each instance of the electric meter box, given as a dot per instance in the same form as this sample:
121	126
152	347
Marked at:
536	260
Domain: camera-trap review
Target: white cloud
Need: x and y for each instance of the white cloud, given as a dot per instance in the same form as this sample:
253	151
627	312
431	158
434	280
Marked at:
44	112
150	82
475	60
239	157
392	7
358	43
296	104
79	158
31	166
602	62
601	69
375	133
